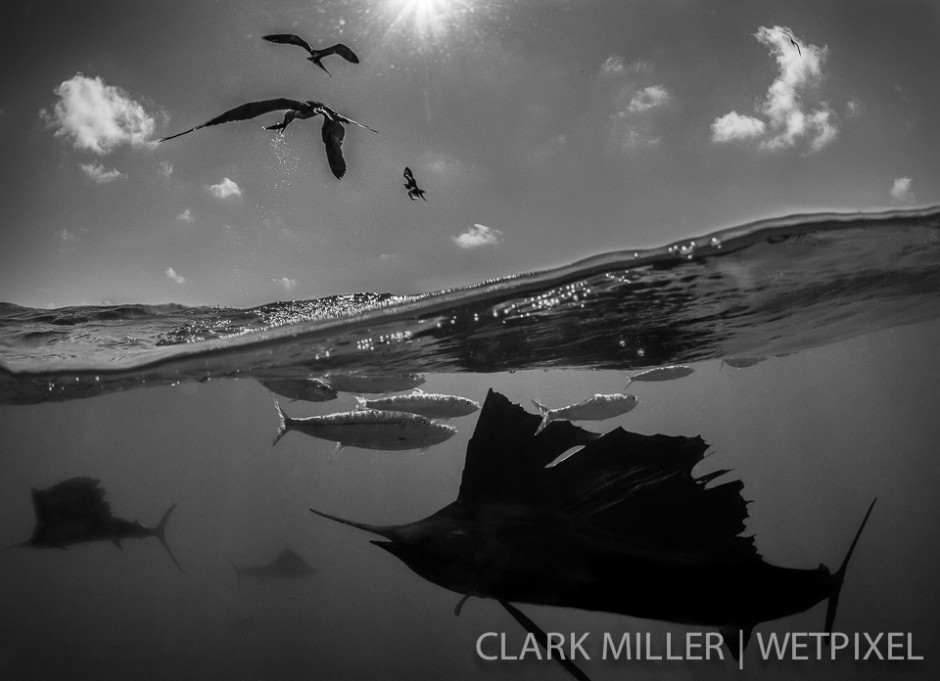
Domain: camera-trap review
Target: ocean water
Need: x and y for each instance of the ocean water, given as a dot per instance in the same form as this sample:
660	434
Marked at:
836	315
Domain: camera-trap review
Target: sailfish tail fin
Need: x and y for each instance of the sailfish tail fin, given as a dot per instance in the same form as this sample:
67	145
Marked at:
160	533
839	576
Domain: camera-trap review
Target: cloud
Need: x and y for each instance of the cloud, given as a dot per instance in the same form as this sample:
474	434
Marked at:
478	235
67	236
288	283
612	65
174	277
853	107
785	120
734	126
97	173
186	216
649	98
165	168
225	189
901	190
98	117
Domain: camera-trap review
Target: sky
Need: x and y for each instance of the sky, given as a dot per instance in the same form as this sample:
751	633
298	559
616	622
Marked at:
543	131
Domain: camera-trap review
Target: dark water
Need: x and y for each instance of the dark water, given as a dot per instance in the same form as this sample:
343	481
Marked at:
842	310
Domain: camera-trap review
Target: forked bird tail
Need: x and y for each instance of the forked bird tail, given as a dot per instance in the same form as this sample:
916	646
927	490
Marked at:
839	577
282	423
160	533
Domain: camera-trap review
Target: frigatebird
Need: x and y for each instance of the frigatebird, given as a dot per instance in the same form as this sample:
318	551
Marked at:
621	526
338	49
411	185
794	43
333	132
288	565
75	511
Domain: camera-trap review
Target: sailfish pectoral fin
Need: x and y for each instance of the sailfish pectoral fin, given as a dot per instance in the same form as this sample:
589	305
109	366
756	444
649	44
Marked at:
542	639
459	605
18	545
117	542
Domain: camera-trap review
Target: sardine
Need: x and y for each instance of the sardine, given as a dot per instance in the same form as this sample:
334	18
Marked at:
661	373
307	389
595	408
431	405
373	383
369	429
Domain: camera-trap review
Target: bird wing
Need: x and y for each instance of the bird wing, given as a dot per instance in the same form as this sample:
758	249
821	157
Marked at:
343	119
408	175
244	112
333	134
342	51
288	39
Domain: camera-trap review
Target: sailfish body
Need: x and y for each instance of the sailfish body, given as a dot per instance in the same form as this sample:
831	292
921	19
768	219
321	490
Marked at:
75	511
623	527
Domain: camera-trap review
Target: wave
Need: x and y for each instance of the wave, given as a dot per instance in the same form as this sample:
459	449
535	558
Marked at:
765	288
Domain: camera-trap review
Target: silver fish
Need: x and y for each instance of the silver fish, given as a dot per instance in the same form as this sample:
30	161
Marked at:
368	429
373	383
431	405
307	389
661	373
595	408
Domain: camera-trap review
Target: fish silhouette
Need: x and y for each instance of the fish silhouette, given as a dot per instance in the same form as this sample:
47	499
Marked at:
623	526
288	565
75	511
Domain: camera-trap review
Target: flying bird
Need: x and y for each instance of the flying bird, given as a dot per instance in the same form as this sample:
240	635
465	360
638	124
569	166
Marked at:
623	526
75	511
315	55
793	42
333	131
411	185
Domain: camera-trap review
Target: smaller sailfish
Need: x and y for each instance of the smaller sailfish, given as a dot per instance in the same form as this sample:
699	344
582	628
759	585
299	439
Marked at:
288	565
75	511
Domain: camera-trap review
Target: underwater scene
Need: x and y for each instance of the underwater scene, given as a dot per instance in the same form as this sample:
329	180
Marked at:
470	339
683	436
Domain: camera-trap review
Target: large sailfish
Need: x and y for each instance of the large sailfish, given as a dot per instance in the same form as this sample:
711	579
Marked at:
621	526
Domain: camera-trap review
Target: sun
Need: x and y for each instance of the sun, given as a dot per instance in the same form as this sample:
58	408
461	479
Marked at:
430	21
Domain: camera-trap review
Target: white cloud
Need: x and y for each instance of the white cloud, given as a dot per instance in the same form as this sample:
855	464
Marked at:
97	173
67	236
225	189
612	65
901	190
288	283
853	107
174	277
478	235
649	98
98	117
734	126
165	168
186	216
785	120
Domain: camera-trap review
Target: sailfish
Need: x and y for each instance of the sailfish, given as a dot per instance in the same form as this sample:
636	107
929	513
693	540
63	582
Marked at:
622	526
75	511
